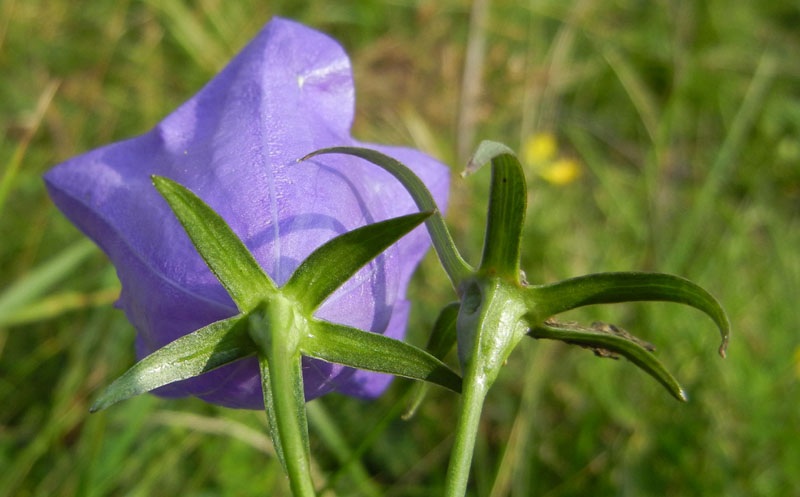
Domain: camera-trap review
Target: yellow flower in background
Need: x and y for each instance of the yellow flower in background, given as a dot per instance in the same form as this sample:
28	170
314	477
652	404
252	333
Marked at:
540	154
539	148
561	172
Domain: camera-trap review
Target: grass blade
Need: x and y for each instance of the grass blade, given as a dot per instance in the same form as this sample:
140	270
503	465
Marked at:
35	283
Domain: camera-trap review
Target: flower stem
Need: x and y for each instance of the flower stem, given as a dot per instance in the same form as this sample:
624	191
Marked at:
473	394
290	420
282	383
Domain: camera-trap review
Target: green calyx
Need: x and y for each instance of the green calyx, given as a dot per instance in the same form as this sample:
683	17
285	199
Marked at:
497	308
496	304
489	326
277	325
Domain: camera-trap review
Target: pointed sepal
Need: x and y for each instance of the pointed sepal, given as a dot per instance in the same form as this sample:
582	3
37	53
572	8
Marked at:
329	266
360	349
191	355
607	288
607	341
507	204
454	265
226	255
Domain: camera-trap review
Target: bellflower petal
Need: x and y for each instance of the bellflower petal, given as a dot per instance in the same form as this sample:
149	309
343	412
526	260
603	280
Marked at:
287	93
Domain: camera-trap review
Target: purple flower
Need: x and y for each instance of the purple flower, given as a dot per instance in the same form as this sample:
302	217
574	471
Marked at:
289	92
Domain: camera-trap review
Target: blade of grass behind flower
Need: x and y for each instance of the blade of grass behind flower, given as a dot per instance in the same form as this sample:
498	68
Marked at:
183	24
725	163
32	285
441	341
10	173
66	407
324	425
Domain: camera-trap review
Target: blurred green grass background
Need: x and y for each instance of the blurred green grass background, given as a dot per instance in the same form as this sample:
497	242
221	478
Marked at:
684	120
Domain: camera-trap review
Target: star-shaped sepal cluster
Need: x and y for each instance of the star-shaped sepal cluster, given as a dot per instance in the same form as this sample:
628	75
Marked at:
278	325
497	308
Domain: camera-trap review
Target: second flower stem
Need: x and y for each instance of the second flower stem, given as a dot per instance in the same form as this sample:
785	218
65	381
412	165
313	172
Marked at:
473	394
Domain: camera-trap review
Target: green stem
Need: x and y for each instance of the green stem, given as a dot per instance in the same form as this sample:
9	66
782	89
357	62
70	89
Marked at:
489	326
474	392
274	329
290	418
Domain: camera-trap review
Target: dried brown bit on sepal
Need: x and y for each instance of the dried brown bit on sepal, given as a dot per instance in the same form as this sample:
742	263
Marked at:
602	328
